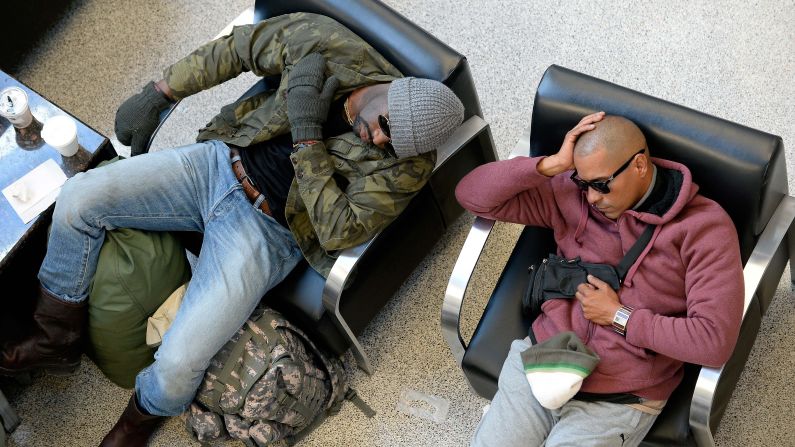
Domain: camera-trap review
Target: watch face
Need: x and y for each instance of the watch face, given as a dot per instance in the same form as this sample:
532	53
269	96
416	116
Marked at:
621	317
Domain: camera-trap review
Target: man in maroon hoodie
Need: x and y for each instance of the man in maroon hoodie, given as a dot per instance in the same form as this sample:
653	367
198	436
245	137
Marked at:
681	301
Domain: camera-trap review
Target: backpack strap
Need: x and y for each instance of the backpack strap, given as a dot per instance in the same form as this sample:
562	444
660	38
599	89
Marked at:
332	369
349	395
265	336
262	332
223	376
353	396
286	400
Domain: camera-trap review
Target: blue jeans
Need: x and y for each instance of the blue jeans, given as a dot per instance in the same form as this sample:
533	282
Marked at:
192	188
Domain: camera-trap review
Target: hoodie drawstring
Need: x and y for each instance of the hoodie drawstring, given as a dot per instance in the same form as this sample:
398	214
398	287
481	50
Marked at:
583	220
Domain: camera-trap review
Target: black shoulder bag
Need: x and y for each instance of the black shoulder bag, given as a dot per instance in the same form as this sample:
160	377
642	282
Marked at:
557	278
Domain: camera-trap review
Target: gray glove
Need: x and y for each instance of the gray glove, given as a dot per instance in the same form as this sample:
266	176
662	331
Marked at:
307	103
138	117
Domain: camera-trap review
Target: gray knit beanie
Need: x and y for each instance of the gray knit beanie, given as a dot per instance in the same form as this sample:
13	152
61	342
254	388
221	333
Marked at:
423	113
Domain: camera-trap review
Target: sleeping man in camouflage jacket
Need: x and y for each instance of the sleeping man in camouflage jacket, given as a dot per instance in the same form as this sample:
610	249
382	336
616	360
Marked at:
319	164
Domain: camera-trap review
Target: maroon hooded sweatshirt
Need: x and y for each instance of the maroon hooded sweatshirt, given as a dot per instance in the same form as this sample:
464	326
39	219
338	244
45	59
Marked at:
686	288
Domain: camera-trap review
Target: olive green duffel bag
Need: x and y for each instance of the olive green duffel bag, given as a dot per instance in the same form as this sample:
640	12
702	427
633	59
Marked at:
136	272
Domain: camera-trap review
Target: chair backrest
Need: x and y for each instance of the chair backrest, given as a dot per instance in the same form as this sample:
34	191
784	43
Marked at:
408	47
742	169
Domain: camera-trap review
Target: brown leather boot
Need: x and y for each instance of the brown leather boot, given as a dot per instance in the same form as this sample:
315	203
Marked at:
133	428
54	345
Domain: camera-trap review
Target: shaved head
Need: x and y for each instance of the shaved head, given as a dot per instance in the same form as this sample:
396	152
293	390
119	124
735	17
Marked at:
611	152
617	135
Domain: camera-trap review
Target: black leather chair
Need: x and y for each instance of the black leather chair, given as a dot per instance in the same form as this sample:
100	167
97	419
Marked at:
363	278
741	168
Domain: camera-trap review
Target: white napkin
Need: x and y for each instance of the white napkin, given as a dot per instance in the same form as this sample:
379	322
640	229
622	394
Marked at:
36	190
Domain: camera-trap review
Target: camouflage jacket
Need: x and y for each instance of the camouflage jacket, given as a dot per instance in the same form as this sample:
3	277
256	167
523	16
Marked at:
323	217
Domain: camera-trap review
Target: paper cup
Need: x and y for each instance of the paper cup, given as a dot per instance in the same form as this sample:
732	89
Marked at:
60	132
14	107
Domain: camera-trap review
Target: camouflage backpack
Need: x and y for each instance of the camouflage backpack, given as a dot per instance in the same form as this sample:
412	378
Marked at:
268	386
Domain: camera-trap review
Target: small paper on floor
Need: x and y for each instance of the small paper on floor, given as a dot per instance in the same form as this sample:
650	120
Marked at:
425	406
36	190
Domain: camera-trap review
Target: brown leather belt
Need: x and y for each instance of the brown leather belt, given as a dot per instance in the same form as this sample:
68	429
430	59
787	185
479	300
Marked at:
254	196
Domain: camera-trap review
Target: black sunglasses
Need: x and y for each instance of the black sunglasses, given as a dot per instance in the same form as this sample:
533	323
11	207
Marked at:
383	123
602	185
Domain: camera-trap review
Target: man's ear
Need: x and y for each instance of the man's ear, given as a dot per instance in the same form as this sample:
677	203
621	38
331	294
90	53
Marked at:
642	164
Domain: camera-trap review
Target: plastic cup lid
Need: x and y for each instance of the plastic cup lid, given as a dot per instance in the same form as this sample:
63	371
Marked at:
13	101
59	130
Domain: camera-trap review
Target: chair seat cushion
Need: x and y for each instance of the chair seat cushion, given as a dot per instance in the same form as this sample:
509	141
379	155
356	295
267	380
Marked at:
301	291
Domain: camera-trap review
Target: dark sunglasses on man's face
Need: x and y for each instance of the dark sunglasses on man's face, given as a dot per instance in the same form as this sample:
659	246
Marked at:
383	123
602	185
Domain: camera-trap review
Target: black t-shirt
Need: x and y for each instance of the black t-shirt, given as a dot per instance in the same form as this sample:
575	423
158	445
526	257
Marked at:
268	162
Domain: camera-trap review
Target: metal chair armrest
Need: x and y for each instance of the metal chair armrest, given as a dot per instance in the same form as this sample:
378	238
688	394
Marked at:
332	293
777	232
163	117
522	147
9	419
465	266
459	280
466	132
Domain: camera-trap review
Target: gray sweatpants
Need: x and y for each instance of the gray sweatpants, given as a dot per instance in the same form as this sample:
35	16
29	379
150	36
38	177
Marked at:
517	419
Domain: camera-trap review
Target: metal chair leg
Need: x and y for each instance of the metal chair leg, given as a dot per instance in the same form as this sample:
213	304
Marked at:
8	417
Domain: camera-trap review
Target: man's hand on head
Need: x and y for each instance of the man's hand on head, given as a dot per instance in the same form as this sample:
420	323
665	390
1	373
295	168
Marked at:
598	300
564	160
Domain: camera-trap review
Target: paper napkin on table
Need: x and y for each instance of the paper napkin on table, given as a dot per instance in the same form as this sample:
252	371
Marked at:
36	190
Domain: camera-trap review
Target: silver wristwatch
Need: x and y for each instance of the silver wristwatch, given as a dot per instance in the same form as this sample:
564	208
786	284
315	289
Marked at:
620	319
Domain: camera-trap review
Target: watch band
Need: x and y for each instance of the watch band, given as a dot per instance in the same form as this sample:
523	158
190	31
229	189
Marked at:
620	319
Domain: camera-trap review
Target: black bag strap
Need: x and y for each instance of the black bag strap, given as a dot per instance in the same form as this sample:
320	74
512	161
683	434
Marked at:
632	255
